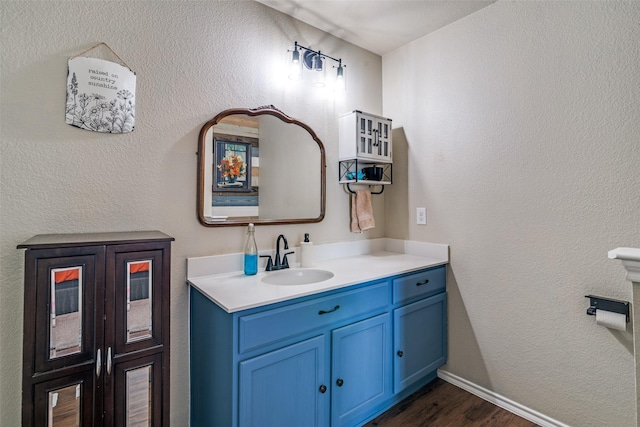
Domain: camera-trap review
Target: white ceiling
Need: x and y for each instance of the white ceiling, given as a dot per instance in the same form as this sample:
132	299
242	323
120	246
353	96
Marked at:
379	26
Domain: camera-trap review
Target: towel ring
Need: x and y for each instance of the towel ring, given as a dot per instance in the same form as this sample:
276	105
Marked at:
379	192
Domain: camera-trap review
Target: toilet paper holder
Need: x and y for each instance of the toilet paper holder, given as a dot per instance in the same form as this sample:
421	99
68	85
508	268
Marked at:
607	304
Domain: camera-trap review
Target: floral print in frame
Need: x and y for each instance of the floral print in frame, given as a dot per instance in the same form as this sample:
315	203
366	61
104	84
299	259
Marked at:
100	96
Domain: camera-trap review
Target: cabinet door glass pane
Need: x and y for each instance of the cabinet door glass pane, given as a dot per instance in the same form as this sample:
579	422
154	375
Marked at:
385	138
65	314
139	297
64	407
138	395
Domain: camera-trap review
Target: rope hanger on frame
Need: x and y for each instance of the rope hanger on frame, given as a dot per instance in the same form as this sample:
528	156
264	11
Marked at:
112	51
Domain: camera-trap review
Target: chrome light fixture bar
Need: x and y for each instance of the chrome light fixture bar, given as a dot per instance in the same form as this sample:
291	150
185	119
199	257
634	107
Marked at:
314	60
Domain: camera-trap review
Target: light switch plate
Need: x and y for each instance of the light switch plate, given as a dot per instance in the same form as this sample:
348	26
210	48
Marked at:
421	216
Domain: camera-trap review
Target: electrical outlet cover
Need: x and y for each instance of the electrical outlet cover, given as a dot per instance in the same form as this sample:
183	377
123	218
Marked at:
421	216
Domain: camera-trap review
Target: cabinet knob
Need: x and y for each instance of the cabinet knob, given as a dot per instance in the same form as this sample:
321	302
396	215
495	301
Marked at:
400	353
423	283
323	388
339	382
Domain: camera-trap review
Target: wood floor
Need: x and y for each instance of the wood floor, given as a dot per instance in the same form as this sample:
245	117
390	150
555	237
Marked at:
442	404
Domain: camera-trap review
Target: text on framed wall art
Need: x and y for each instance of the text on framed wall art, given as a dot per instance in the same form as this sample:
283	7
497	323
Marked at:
100	95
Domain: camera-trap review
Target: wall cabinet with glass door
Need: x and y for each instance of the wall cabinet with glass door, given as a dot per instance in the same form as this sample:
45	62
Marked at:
96	329
365	136
365	149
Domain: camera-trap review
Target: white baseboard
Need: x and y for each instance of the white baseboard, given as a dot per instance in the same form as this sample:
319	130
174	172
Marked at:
501	401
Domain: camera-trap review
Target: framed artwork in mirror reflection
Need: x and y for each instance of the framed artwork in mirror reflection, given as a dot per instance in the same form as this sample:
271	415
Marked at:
232	167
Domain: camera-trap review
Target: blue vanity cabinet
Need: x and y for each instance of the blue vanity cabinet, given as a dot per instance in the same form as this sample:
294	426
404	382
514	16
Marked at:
420	328
353	378
271	366
321	360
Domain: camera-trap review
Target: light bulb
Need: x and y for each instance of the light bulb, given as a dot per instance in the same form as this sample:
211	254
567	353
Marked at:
295	70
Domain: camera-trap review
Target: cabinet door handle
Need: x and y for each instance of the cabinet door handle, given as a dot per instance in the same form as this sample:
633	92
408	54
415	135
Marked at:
400	353
98	363
321	312
339	382
422	283
323	388
109	361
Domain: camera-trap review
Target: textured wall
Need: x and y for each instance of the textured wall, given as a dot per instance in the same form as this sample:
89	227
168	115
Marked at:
193	59
522	132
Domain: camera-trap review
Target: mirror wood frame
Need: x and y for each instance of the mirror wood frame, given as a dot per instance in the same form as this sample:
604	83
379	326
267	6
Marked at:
240	220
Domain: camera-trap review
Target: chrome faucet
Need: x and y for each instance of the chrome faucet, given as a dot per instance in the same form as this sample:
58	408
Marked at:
279	264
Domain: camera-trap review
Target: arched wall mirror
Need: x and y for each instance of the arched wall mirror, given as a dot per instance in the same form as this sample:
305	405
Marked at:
261	166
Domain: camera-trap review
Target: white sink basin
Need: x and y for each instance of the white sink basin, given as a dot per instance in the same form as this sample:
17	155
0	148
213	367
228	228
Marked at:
296	276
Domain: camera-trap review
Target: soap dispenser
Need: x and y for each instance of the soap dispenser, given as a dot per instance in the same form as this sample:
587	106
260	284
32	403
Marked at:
250	253
305	251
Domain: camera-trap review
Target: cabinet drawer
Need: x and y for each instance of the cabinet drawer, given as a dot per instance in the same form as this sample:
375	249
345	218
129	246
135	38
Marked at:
260	329
419	284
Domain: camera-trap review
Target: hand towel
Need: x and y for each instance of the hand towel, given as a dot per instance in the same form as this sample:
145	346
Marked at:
361	212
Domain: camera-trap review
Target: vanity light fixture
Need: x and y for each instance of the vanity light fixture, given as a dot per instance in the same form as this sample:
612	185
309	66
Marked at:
315	61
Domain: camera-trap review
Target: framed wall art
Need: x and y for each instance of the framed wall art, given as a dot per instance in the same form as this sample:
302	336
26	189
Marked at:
100	95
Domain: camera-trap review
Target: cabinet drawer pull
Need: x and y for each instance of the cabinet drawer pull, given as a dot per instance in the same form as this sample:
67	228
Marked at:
423	283
98	364
321	312
400	353
339	382
323	388
109	361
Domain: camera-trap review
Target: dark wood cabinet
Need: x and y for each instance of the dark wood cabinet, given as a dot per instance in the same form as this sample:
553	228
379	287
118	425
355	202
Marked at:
96	329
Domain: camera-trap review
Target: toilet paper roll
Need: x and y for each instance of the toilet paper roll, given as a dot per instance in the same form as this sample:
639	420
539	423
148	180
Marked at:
611	320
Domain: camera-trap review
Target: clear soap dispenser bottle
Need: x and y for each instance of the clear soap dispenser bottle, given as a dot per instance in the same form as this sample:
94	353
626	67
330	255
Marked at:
251	252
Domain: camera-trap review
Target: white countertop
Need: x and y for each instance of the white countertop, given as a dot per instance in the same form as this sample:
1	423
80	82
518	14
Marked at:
233	291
